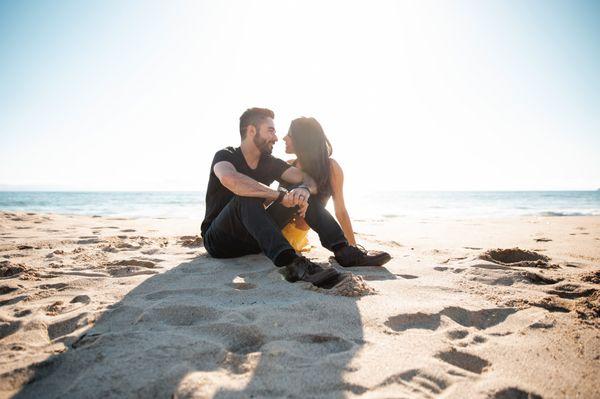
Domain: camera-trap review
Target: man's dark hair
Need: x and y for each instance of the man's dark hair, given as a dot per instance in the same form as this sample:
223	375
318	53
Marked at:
253	117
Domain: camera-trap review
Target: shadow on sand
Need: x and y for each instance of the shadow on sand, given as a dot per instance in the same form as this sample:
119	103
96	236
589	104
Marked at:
211	328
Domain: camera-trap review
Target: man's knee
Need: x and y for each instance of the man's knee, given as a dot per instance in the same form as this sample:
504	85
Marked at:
248	201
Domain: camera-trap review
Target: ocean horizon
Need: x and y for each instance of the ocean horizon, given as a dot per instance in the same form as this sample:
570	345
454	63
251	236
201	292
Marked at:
371	205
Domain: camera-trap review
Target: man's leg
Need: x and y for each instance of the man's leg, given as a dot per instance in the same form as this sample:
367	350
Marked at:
244	227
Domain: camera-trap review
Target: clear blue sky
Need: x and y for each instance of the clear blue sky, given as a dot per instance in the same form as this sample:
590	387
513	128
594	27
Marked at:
414	95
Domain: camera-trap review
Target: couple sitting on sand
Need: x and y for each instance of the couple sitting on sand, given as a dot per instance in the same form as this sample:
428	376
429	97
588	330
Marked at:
245	216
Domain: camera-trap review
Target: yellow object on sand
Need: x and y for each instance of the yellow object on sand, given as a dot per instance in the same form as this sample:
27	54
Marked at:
296	237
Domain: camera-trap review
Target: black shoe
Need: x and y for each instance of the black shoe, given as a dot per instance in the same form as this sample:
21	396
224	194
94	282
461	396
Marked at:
352	256
302	269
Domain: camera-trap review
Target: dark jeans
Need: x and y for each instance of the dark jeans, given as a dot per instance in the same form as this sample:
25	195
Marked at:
245	227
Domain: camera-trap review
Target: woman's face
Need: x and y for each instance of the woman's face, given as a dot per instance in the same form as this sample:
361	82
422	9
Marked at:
289	144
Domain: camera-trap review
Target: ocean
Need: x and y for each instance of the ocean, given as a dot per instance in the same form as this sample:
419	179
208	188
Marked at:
372	205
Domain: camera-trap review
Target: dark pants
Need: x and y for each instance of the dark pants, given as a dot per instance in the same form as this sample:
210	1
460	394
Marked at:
245	227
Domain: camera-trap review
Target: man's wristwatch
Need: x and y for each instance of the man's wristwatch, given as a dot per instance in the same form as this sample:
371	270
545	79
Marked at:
282	193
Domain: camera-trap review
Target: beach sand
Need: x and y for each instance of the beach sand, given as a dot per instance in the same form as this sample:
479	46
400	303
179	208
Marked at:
101	307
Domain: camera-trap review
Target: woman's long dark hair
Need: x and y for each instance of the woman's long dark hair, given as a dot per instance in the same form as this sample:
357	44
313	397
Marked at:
313	150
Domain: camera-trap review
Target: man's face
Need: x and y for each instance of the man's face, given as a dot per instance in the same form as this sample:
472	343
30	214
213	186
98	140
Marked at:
265	136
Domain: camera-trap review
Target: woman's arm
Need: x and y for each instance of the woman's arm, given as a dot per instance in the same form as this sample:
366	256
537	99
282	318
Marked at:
337	193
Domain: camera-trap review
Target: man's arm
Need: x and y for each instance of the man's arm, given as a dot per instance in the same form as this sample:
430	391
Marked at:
240	184
295	176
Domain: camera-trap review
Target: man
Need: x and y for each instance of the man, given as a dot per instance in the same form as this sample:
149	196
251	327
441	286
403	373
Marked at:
237	223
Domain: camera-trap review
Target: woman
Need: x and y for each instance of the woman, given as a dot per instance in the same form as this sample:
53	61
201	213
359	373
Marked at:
307	140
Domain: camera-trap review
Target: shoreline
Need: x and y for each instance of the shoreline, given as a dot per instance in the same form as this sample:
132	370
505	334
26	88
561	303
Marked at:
105	294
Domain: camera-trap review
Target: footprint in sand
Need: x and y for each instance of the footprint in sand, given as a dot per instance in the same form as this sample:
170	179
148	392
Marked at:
514	393
238	339
307	346
464	360
572	291
516	257
180	315
419	381
317	345
67	326
492	274
480	319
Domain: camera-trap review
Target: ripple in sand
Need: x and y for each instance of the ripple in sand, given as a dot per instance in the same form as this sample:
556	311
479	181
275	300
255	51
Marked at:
7	289
593	277
133	262
129	271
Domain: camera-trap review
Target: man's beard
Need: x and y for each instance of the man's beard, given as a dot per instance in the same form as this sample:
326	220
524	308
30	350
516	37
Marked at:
262	145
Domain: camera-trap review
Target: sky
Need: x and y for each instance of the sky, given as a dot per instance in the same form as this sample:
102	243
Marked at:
413	95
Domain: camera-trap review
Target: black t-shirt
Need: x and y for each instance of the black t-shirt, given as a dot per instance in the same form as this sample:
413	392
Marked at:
268	170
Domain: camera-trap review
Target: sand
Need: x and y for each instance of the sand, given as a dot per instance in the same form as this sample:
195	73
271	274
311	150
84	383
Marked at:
101	307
